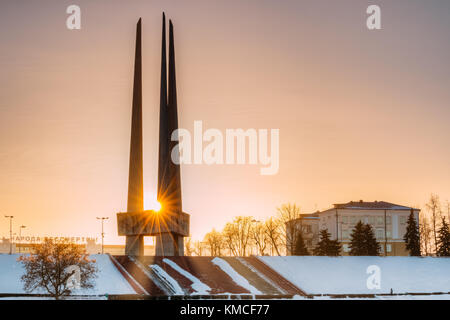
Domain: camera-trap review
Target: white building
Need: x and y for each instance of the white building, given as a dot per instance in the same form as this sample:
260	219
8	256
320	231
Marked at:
388	221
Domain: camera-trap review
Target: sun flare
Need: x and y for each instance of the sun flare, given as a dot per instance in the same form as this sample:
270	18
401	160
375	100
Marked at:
150	203
158	206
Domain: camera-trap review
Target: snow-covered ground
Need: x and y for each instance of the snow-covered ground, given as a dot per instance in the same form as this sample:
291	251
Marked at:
167	279
314	275
348	275
108	281
237	278
197	285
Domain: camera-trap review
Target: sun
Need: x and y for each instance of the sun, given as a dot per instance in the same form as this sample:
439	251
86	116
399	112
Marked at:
151	203
158	206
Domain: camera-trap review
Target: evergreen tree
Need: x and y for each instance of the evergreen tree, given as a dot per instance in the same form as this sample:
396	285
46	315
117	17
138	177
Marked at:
300	247
443	240
372	246
357	240
363	241
326	246
412	237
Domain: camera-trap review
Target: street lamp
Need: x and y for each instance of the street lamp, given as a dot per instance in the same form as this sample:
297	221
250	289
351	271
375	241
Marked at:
10	233
20	235
103	234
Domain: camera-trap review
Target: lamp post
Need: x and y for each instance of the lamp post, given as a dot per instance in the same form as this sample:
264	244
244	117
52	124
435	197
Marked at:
20	235
103	234
10	233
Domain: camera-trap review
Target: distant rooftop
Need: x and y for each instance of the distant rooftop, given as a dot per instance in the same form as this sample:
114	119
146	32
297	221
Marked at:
370	205
307	216
356	205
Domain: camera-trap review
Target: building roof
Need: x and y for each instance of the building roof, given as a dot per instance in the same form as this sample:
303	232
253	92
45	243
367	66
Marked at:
375	205
306	216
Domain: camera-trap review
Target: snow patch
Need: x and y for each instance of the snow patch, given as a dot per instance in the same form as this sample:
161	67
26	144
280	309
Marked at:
262	276
167	279
197	285
237	278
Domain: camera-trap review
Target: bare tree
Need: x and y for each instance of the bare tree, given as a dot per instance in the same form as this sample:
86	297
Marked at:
259	237
229	239
188	247
272	230
434	207
448	210
236	235
53	265
214	241
426	235
199	248
285	214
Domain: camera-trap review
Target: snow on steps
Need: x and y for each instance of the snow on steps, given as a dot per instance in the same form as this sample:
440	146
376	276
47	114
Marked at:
139	275
236	276
197	285
213	276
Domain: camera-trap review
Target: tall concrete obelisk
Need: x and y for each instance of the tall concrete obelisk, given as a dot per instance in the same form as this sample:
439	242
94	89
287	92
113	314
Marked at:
175	175
164	136
169	225
135	243
169	179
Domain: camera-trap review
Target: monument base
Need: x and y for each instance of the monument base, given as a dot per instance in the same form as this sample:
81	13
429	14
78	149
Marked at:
134	246
169	244
169	230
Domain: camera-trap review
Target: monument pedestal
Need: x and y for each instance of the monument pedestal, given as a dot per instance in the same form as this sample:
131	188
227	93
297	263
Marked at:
134	246
169	229
169	244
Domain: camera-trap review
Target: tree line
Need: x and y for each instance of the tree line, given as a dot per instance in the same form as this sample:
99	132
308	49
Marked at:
246	236
433	227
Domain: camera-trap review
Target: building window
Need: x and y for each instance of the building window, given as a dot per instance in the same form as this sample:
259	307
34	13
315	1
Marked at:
346	248
380	233
388	220
380	220
388	234
388	248
345	219
402	219
372	220
345	234
352	219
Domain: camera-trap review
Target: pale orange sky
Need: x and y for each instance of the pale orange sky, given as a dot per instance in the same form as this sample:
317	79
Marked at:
362	114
